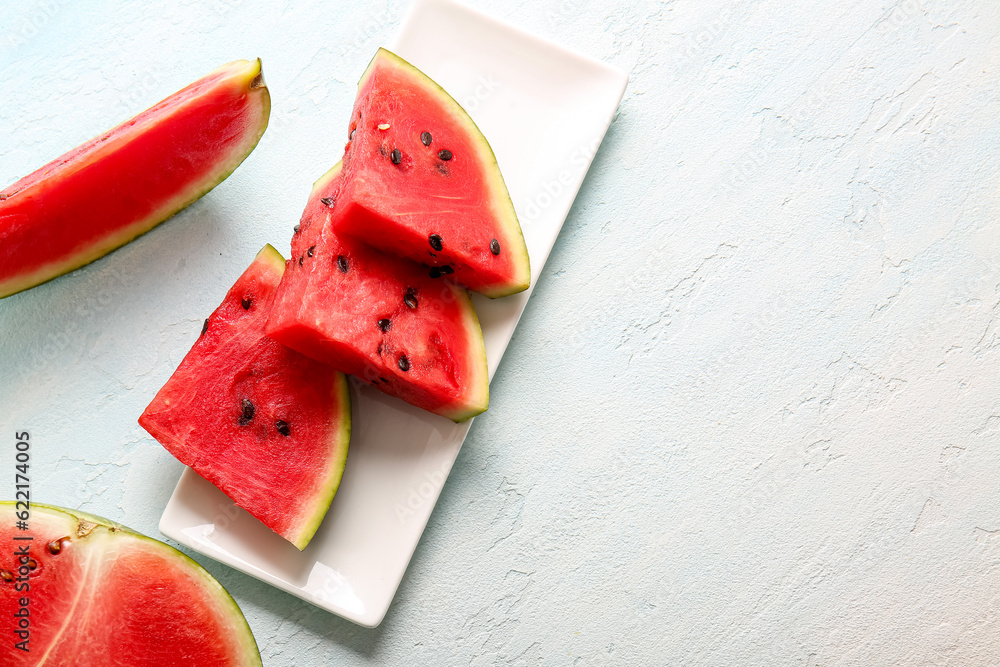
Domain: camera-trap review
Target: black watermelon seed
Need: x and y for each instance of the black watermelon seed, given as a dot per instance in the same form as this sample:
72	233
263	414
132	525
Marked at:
328	201
396	156
342	263
246	303
295	229
55	546
435	272
248	411
204	327
495	247
447	270
7	575
384	324
410	298
425	138
444	154
383	379
435	241
404	363
282	427
301	259
32	563
311	250
380	348
350	137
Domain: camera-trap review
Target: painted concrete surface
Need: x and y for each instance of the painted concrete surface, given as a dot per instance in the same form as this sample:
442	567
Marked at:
751	413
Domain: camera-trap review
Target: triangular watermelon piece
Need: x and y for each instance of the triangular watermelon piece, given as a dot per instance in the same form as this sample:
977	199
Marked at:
421	182
125	181
267	425
379	317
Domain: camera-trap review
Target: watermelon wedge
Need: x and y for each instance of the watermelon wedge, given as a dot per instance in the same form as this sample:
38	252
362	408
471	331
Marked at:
265	424
126	181
77	590
421	182
378	317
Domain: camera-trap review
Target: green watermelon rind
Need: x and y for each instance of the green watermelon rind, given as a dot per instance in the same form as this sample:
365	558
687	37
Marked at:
253	79
503	207
478	402
342	440
75	520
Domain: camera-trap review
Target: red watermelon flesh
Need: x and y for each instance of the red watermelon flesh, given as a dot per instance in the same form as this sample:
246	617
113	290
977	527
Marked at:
266	425
378	317
126	181
101	595
421	182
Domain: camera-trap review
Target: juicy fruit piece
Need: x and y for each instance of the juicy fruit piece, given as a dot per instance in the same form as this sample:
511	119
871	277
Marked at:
266	425
101	595
126	181
380	318
421	182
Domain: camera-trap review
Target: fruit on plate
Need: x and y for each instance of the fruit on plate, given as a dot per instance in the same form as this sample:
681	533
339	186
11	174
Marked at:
421	182
266	425
77	590
379	317
126	181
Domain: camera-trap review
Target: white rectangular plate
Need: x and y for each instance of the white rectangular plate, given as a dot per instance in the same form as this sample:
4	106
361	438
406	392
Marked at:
545	111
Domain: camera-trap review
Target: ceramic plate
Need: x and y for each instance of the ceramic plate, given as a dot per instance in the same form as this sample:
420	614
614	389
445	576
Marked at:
544	110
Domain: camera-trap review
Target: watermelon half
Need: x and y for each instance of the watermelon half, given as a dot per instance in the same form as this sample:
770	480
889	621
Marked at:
421	182
379	317
77	590
126	181
266	425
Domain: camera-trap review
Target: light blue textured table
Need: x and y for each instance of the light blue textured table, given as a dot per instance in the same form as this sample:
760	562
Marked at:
751	413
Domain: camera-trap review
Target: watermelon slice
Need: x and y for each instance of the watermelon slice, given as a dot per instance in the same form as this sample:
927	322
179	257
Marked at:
378	317
77	590
126	181
421	181
265	424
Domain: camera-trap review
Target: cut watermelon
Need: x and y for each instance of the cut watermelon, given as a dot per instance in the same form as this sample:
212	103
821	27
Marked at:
265	424
421	181
378	317
126	181
77	590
